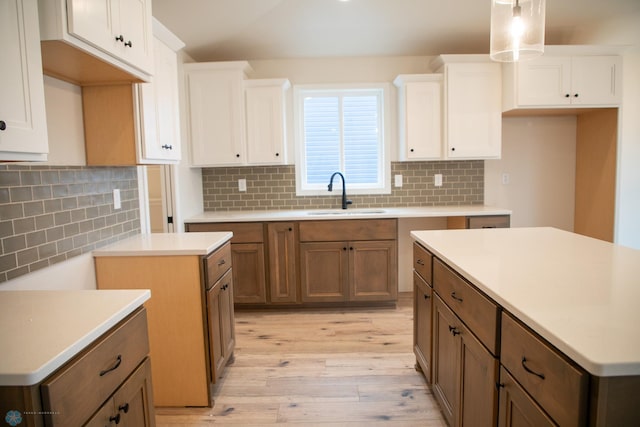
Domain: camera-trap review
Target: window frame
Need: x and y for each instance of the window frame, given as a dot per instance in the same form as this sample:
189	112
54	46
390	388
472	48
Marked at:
380	89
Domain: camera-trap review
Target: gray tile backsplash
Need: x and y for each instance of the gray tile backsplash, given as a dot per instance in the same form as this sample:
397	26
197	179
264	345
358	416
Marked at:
49	214
273	187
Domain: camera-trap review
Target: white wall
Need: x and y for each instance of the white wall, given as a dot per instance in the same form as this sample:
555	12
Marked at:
189	200
539	155
63	104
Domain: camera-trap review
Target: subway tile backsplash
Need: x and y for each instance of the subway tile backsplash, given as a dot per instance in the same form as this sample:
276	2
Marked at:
273	187
49	214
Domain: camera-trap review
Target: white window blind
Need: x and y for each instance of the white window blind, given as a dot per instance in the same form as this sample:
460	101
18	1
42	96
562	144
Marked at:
341	130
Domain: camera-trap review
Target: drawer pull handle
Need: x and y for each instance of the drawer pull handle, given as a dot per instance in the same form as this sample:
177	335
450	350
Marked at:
499	386
427	297
221	262
526	368
124	408
115	419
454	331
455	297
420	262
113	368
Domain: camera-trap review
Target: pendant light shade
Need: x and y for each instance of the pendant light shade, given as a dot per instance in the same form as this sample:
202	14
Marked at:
517	29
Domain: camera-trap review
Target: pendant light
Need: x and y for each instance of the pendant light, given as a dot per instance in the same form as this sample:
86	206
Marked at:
517	29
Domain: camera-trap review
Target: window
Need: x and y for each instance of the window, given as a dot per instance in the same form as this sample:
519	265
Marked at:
341	130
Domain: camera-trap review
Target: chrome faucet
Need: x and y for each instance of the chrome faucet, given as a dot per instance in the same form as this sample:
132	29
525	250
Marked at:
345	202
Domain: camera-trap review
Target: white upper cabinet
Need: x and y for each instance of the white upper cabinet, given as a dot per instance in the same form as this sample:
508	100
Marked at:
563	81
266	130
216	112
419	116
473	106
94	33
23	122
159	140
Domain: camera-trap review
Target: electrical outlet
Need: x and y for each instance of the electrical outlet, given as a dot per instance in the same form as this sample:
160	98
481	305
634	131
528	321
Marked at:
437	180
117	204
398	179
506	179
242	184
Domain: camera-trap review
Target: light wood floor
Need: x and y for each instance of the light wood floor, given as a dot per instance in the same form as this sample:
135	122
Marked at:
337	367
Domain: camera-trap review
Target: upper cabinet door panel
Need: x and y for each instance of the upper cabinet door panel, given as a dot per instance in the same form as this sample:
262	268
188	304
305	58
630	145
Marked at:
93	22
135	28
474	110
22	111
544	81
265	122
596	80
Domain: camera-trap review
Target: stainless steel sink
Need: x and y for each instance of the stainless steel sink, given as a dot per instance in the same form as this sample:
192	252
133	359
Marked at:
342	212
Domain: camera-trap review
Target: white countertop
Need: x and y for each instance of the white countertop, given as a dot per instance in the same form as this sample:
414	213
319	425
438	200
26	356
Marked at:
166	244
580	294
42	330
350	213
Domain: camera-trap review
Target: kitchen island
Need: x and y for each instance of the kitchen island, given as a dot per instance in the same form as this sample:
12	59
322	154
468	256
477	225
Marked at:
55	344
563	343
191	323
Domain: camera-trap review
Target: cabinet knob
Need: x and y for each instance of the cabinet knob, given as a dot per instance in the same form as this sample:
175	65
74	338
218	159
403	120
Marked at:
426	296
115	419
290	229
411	150
277	154
567	95
575	95
119	38
453	148
344	249
3	125
129	44
419	262
237	155
124	408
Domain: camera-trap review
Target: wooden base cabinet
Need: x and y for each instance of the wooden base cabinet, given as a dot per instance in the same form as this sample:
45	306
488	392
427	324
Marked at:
185	321
247	254
106	383
464	372
283	260
517	409
222	339
130	406
362	268
422	309
422	314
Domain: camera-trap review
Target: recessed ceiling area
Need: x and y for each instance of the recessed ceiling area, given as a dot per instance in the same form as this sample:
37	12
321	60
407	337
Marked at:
216	30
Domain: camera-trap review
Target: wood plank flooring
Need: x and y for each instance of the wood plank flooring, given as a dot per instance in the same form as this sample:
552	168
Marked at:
321	367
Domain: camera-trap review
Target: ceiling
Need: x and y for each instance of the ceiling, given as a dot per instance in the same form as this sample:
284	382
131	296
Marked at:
217	30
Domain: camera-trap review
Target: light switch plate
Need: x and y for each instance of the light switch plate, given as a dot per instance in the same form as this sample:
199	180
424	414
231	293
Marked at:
242	184
117	204
398	180
437	180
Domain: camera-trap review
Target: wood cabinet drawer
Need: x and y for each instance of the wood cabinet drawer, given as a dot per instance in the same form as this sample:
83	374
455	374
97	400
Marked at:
478	312
349	229
243	232
217	263
76	390
422	262
551	379
493	221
